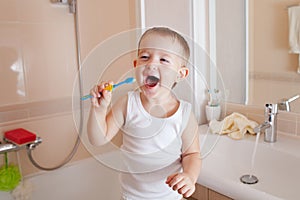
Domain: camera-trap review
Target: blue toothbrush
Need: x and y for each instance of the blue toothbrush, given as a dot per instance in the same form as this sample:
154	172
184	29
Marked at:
111	87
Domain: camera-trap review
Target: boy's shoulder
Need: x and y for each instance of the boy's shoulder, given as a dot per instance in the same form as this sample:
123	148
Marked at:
185	104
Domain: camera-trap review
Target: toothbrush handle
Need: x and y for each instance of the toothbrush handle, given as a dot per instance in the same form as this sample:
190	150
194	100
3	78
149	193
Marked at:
109	88
86	97
118	84
128	80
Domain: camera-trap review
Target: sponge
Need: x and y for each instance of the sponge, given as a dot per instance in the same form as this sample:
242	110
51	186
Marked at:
19	136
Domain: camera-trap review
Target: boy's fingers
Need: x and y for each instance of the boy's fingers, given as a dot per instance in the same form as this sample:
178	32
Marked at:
170	178
110	82
183	190
189	193
175	180
179	185
100	95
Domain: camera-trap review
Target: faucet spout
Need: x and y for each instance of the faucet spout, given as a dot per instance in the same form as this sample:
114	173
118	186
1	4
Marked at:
262	127
8	147
269	126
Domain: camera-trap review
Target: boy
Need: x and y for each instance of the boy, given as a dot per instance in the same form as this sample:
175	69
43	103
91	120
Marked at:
160	139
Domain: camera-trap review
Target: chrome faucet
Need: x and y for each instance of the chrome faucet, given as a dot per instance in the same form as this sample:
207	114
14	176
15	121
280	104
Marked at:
9	146
284	104
269	126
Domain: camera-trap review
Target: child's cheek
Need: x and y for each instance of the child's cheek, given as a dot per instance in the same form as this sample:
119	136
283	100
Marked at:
139	76
169	74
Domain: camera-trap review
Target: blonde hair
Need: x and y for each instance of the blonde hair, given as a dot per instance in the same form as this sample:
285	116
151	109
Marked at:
176	37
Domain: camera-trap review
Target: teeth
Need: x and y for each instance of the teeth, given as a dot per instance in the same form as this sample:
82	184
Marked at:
151	81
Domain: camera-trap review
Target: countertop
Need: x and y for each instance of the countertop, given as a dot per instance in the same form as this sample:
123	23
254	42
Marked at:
276	165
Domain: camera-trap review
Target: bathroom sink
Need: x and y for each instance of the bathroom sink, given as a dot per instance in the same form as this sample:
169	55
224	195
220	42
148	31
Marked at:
276	165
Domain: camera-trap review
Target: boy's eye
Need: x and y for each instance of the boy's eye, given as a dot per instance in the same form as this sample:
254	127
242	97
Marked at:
164	60
144	57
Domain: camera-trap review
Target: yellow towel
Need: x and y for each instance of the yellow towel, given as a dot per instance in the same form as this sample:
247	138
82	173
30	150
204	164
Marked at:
235	126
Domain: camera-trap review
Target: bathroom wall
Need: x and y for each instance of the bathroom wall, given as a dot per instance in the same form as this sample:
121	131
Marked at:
178	15
231	48
38	64
38	68
181	21
287	123
272	68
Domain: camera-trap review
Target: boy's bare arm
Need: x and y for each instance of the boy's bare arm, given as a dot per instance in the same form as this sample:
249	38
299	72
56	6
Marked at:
185	182
105	121
191	158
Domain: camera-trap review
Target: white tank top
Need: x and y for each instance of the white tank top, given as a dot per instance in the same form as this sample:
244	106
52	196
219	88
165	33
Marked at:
151	151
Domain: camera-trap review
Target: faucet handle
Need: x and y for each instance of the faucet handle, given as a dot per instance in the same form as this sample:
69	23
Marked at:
271	109
284	104
293	98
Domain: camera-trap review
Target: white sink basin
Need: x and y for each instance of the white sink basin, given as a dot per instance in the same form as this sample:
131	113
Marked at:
276	165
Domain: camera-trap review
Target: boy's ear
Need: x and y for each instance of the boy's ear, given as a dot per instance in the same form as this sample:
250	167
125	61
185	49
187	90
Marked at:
134	63
183	72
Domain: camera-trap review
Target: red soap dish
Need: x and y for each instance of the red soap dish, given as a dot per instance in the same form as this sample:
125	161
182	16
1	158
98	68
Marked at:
19	136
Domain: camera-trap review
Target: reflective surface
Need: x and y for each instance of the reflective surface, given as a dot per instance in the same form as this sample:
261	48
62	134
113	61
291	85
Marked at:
12	78
272	68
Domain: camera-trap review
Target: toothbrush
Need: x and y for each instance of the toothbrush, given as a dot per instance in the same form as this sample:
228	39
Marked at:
111	87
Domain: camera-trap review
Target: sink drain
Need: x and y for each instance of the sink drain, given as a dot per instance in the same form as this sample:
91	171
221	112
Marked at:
249	179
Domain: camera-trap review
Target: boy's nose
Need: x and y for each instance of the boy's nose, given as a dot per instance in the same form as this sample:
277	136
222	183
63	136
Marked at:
151	66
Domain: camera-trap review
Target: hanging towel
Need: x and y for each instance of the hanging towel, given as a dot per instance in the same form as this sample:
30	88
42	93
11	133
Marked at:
294	32
235	126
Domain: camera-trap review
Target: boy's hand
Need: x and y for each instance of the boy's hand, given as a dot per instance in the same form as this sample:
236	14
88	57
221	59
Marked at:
182	183
101	97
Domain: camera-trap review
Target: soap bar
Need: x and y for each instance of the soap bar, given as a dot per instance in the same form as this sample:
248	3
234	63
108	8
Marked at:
19	136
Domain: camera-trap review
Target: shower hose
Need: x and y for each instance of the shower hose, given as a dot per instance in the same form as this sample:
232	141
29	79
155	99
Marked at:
74	10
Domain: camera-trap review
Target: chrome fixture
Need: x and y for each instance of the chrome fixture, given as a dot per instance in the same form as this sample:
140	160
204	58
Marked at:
73	9
269	126
284	104
8	146
249	179
70	3
63	2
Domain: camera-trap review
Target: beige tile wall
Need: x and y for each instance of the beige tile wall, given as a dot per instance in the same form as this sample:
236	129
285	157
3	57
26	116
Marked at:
272	68
58	134
38	68
287	122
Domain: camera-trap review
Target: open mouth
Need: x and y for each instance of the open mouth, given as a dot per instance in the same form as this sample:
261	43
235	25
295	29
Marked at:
151	81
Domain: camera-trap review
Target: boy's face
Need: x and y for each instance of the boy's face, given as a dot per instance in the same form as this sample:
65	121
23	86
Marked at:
159	65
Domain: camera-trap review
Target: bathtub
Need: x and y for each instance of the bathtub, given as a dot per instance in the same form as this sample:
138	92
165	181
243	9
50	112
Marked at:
85	179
